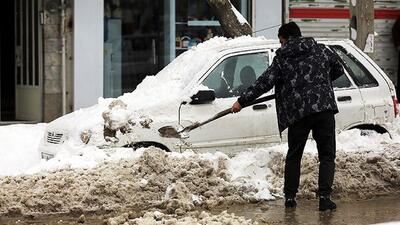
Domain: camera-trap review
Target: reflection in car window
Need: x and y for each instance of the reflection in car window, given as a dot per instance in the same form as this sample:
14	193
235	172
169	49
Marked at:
235	74
361	76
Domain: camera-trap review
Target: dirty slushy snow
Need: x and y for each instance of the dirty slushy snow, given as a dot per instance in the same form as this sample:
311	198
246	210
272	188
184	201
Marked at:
194	218
176	183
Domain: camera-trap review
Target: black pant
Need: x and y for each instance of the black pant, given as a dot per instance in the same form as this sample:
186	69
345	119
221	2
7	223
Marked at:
323	130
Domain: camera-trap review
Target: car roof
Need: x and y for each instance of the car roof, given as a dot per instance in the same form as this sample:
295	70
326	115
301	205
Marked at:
249	43
217	47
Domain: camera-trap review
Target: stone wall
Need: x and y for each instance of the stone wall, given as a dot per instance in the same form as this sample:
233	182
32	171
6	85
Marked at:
52	44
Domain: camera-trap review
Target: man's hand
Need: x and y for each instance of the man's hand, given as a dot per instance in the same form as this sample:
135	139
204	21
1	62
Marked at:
236	107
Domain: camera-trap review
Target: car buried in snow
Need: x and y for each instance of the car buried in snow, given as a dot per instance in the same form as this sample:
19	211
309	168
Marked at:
217	71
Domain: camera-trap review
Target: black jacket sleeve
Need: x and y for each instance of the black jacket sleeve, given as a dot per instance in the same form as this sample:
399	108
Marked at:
336	66
262	85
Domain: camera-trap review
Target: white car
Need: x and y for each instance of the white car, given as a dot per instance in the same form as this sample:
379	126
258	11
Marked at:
365	97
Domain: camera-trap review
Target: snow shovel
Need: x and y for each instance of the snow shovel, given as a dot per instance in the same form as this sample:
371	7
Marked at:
171	132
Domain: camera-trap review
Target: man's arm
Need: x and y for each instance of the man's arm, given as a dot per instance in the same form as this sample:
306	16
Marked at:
262	85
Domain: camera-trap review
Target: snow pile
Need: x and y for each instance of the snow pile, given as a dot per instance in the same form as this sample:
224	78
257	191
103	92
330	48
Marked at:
157	95
18	147
20	154
117	115
86	157
251	169
361	174
179	183
357	140
83	121
194	218
150	179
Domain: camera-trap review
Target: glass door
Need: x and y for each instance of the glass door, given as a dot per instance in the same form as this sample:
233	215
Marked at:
28	69
133	43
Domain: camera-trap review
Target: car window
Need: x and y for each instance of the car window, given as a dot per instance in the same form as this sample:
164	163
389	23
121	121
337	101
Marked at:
235	74
342	82
361	76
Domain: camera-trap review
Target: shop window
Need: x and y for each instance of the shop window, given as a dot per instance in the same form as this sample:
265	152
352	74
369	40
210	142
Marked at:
195	22
141	37
133	43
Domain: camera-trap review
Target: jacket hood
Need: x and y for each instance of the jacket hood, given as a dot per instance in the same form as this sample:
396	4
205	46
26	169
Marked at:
296	47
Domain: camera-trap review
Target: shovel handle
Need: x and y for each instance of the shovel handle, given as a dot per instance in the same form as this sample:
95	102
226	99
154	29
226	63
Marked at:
259	100
218	115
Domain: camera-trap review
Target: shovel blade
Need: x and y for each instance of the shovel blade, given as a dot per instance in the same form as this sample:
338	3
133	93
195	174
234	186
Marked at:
169	132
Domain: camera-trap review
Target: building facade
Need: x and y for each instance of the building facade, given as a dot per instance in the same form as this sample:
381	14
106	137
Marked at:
61	55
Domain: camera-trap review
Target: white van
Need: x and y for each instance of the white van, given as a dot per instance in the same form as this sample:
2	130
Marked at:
365	97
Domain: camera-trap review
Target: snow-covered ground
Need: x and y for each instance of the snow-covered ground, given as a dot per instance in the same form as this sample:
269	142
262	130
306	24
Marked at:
170	186
19	148
20	154
252	167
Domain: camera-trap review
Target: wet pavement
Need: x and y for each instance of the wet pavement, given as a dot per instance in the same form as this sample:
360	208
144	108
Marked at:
384	209
372	211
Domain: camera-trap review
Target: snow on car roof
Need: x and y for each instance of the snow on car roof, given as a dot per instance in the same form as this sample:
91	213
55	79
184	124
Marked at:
222	44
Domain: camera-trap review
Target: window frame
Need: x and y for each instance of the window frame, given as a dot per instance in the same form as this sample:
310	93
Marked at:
353	84
271	54
358	63
346	72
233	54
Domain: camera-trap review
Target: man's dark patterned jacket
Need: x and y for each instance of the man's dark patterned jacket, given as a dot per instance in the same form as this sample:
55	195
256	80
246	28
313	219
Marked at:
302	73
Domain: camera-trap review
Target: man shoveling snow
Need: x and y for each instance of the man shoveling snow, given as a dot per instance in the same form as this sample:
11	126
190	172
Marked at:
302	73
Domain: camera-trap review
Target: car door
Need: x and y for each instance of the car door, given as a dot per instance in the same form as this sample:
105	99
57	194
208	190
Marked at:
349	102
252	127
374	90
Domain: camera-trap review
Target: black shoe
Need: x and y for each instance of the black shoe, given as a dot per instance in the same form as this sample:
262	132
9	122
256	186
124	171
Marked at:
290	203
325	203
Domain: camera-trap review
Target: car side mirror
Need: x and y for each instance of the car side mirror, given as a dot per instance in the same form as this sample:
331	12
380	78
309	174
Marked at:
202	97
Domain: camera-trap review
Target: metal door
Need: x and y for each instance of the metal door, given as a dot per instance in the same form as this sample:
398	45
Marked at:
28	67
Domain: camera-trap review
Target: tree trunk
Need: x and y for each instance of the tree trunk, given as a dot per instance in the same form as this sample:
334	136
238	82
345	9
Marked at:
230	22
362	25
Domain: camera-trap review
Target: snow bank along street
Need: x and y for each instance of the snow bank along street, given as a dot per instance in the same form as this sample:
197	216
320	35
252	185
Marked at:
104	180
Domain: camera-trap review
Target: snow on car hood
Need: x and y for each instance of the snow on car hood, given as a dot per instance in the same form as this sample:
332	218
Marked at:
73	124
157	97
